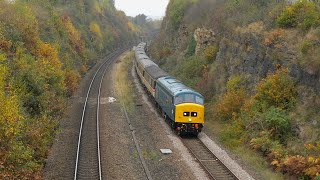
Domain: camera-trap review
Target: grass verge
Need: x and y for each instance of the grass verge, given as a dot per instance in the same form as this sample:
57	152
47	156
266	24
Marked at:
123	86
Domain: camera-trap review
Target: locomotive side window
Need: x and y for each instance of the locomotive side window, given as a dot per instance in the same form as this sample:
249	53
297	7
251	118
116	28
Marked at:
199	100
178	100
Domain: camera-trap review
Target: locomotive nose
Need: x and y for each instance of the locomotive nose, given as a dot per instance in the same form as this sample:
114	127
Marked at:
189	113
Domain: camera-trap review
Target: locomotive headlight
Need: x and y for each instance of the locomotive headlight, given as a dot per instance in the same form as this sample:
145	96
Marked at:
186	114
194	114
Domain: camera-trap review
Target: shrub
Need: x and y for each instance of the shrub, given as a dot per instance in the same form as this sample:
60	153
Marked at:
303	14
295	165
95	29
231	103
210	52
233	134
190	70
177	8
277	121
164	52
287	18
266	144
305	46
277	90
72	78
191	46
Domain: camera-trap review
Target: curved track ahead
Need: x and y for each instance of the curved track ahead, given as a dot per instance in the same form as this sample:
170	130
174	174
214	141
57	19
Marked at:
88	161
211	164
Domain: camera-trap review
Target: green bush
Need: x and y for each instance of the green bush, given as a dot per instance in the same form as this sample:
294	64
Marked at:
278	122
305	46
190	70
266	144
177	10
191	47
233	135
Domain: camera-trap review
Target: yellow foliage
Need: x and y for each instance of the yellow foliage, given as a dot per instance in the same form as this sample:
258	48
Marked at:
95	29
46	51
97	8
73	34
277	90
71	81
132	27
210	52
9	110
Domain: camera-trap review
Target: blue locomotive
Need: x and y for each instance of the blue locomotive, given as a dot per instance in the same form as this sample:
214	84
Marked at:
180	105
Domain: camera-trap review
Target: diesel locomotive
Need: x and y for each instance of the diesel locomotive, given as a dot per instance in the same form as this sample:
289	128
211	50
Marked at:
181	106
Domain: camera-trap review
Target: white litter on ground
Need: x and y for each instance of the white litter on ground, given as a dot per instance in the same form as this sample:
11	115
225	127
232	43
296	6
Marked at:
166	151
111	99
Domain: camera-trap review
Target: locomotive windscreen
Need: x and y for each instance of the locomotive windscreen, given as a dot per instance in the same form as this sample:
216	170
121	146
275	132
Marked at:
188	98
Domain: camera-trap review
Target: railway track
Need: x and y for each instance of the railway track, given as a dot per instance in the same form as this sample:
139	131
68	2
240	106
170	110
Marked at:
88	161
210	163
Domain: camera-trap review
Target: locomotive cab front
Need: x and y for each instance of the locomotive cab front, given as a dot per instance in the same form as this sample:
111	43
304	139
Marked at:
189	112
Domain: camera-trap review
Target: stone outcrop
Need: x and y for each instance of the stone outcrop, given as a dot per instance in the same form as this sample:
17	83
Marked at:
203	37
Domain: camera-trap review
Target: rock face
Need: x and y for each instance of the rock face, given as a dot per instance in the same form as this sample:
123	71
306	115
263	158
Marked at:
245	53
203	38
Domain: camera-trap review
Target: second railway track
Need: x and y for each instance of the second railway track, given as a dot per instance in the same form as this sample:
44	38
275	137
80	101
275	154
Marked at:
211	164
88	161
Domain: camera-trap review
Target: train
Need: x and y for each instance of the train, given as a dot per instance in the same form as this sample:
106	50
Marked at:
181	106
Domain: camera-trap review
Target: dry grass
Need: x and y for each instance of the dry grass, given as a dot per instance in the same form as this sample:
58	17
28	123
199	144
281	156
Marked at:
123	85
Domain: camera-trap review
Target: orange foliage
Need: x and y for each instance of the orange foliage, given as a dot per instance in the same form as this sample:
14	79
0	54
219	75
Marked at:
295	165
230	104
5	45
273	37
83	69
165	52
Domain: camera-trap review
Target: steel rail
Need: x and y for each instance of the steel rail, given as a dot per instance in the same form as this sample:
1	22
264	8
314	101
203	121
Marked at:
83	115
98	110
143	162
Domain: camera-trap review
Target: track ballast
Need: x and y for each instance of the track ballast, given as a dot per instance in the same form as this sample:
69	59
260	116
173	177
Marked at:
211	164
